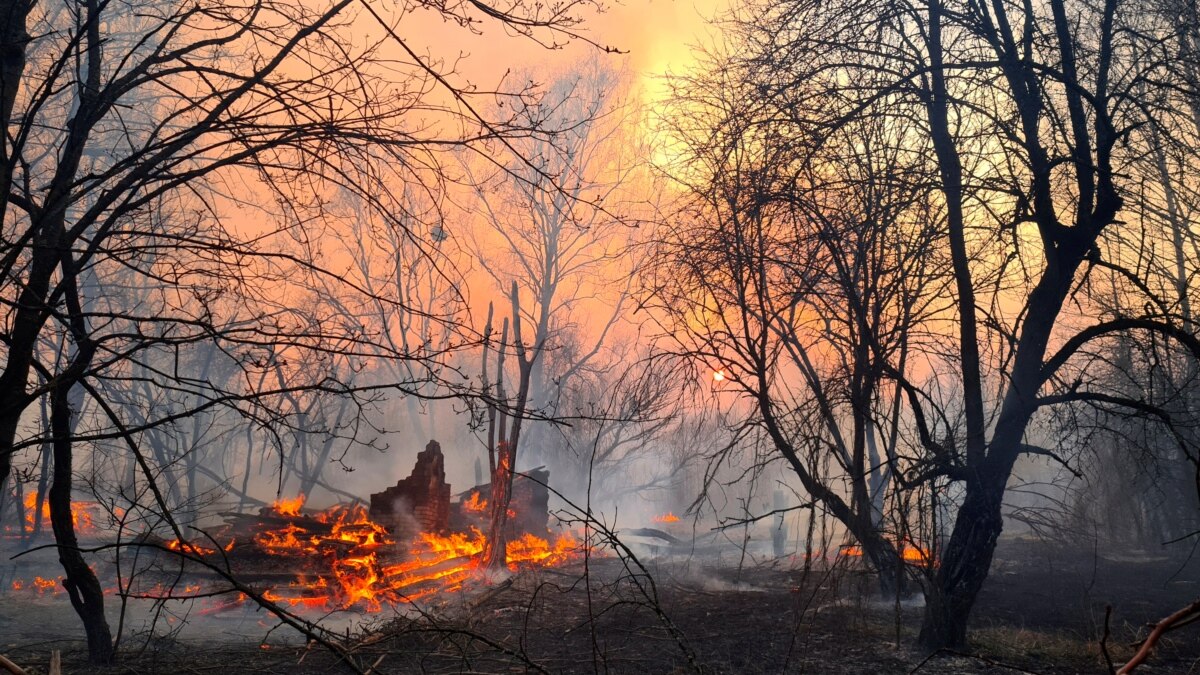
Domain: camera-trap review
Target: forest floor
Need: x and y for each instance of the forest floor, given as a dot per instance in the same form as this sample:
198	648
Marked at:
1041	611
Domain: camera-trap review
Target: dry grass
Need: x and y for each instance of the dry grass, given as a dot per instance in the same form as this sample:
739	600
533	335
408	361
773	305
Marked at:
1021	645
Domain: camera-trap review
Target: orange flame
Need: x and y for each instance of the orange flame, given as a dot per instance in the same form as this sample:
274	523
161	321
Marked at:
361	566
909	553
196	549
475	503
40	585
667	517
81	514
289	507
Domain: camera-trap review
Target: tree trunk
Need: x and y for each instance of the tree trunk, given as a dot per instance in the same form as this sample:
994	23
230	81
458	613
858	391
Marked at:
83	588
964	567
496	551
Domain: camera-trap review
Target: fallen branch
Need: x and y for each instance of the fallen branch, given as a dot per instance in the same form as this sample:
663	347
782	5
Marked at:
10	666
1179	619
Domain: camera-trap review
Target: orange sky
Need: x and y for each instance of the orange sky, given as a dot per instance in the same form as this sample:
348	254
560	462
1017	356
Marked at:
656	34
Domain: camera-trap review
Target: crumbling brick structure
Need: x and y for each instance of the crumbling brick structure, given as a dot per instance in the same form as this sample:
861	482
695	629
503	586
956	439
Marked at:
419	503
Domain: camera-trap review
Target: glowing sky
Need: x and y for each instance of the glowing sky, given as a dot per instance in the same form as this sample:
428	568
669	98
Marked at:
656	36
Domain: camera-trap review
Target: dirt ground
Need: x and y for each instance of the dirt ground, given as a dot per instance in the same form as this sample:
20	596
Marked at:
1042	611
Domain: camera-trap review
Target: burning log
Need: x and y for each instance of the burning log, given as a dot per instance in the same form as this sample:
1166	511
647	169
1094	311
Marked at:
419	503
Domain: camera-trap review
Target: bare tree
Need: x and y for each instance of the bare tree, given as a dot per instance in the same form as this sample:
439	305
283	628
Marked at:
194	145
796	275
559	228
1032	117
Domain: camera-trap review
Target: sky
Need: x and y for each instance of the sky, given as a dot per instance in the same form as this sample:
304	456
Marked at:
655	37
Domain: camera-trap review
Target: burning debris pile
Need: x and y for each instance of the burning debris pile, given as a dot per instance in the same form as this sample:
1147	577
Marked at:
399	550
411	543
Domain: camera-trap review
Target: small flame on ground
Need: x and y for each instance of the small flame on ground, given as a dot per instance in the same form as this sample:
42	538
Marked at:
910	553
81	514
667	517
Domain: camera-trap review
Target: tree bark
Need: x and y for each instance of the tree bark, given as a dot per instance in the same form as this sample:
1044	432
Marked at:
83	588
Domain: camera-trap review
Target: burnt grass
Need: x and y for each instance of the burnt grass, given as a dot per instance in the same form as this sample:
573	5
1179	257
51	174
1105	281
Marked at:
1042	611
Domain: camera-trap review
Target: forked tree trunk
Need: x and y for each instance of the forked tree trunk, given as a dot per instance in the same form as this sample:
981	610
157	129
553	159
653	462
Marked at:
496	552
964	566
83	588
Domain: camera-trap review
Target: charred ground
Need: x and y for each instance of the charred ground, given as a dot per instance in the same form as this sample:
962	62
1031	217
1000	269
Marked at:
1042	611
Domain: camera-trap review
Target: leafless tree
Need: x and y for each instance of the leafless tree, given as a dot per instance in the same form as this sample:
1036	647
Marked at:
797	276
194	145
559	228
1037	121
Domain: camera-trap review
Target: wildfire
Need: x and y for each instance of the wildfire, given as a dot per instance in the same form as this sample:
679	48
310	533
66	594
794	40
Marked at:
344	560
667	517
361	566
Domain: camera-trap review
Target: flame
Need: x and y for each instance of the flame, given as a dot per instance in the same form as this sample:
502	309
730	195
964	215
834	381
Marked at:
344	560
40	585
289	507
667	517
81	514
531	549
475	503
353	562
196	549
909	553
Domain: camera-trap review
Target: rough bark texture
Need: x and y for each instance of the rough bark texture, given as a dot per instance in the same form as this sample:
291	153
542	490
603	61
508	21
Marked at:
495	553
83	588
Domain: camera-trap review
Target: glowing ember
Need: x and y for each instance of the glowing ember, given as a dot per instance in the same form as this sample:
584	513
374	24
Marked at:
667	517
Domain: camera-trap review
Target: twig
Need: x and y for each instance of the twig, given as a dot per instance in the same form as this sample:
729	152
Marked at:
1104	640
376	664
10	666
1176	620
